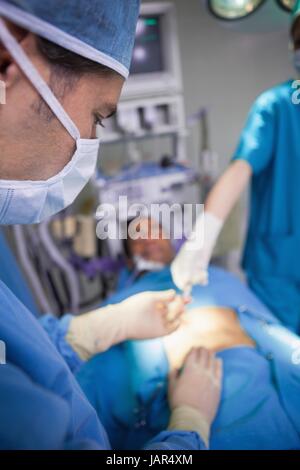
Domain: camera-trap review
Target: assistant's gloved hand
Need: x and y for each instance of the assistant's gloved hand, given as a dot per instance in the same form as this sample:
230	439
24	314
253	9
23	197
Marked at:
194	393
190	265
142	316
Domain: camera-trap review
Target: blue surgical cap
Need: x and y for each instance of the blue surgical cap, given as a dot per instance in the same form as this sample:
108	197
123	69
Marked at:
100	30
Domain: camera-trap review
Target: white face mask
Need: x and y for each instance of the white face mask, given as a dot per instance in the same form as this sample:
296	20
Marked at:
30	202
142	264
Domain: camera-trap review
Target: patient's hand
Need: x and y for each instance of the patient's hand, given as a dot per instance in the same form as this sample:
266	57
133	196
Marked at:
197	387
152	314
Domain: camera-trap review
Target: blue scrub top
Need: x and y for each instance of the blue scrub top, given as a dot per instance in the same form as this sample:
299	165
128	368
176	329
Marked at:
12	276
270	144
35	366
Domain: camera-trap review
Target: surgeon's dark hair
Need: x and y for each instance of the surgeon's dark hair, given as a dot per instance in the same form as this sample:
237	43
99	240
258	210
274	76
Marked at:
66	69
70	62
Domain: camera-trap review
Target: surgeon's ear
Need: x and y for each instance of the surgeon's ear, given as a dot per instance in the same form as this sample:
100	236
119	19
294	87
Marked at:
9	72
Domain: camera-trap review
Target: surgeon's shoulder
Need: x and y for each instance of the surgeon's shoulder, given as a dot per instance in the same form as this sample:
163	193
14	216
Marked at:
271	99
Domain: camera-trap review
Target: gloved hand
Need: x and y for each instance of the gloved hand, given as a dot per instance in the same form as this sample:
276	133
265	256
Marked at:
190	265
194	393
142	316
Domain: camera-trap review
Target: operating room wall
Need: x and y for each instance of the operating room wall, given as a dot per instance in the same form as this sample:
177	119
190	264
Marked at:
225	70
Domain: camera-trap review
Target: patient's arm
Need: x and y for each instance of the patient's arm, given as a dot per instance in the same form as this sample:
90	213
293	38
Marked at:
215	328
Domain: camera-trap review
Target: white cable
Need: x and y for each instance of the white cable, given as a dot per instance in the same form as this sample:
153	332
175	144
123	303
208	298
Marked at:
29	270
63	264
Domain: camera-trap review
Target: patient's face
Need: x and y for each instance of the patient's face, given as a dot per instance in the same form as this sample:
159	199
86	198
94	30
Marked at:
151	242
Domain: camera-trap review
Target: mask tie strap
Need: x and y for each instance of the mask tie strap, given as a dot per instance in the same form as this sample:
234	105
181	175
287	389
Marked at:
37	81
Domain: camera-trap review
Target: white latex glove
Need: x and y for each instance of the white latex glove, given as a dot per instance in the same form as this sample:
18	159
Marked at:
142	316
194	393
190	265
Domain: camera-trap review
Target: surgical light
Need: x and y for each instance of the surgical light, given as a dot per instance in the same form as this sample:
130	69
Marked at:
140	54
252	16
233	9
287	5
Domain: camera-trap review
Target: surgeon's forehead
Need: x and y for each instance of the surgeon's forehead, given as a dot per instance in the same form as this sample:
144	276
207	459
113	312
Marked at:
105	91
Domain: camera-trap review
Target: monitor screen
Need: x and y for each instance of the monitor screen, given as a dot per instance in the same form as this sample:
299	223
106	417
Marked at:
148	49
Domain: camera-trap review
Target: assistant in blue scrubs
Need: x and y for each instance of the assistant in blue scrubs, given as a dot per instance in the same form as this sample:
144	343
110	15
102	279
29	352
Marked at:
270	144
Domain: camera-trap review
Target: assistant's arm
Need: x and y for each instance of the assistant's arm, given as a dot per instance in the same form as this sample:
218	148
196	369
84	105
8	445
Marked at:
253	154
228	189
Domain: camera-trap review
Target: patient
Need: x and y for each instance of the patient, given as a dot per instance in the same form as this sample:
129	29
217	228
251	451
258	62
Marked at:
259	405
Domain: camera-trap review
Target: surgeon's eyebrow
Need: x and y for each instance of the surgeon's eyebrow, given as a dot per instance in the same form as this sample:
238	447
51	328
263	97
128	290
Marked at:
107	111
112	111
100	116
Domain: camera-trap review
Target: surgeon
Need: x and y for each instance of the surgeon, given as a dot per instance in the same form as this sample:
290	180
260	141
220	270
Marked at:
63	65
267	157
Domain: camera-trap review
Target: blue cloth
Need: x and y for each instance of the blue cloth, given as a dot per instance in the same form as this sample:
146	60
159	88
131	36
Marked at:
259	406
29	349
45	430
106	26
270	144
56	329
35	377
12	276
282	297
